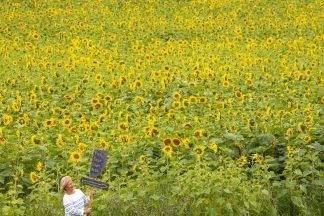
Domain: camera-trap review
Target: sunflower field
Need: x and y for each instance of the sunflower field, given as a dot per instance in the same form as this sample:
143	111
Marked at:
205	107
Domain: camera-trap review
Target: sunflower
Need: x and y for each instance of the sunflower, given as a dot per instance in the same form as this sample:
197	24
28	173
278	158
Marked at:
242	161
289	132
49	123
103	144
290	150
98	105
199	133
238	95
77	106
257	158
94	126
34	140
142	158
307	139
122	126
214	147
94	101
166	68
308	72
39	166
176	142
249	82
66	122
301	127
185	103
188	124
177	95
33	177
199	150
167	141
269	40
309	120
123	138
167	150
98	77
108	98
2	140
75	156
60	141
15	106
226	83
154	131
198	157
192	99
203	100
35	36
7	119
82	147
176	104
139	99
137	84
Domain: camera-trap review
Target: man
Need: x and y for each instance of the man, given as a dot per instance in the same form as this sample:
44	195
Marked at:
74	200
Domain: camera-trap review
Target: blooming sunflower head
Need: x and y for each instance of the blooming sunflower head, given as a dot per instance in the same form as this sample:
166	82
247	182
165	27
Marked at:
75	156
33	177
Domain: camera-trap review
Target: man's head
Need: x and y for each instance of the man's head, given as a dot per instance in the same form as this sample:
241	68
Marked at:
67	183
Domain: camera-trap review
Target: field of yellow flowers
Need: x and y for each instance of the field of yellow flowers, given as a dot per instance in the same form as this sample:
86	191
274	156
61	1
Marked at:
205	107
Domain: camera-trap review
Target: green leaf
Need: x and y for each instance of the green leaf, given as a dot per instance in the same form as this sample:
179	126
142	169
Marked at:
230	136
297	201
316	146
155	197
319	182
291	184
226	190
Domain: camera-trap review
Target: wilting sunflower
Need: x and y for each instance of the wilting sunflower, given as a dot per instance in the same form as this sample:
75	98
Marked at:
33	177
75	156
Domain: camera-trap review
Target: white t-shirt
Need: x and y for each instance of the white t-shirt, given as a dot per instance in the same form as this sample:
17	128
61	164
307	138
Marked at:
74	203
